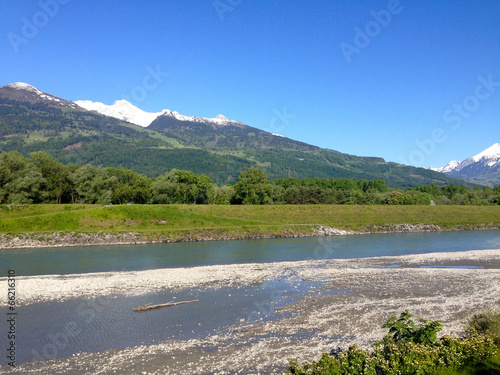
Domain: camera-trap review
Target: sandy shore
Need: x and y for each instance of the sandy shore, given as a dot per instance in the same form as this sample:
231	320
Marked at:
377	288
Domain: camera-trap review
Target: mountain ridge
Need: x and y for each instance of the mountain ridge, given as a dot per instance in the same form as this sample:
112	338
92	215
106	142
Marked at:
25	91
126	111
31	120
483	167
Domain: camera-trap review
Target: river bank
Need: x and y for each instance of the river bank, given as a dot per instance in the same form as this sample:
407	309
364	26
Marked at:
350	301
79	225
68	239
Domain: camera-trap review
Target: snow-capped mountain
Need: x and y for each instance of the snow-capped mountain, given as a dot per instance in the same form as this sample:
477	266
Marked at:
448	167
490	156
26	92
126	111
219	120
484	166
121	110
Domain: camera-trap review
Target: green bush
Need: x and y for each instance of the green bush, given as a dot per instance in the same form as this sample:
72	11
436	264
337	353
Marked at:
405	330
485	323
408	349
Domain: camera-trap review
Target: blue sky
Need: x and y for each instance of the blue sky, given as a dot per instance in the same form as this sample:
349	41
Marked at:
416	82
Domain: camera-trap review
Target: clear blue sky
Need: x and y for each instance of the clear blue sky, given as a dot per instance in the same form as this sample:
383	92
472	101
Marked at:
408	79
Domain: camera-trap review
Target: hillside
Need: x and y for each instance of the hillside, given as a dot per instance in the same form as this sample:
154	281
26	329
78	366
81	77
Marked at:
32	120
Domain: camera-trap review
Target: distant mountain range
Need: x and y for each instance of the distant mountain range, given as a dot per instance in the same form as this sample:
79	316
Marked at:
153	143
126	111
481	168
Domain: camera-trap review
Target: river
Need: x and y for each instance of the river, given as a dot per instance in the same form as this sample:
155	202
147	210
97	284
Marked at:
72	260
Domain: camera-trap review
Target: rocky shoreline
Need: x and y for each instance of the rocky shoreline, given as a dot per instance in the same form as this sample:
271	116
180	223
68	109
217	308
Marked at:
66	239
347	303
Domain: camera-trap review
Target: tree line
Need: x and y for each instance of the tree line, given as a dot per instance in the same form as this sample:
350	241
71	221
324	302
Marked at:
40	178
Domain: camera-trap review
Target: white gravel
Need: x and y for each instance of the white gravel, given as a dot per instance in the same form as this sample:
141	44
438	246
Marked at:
31	289
317	324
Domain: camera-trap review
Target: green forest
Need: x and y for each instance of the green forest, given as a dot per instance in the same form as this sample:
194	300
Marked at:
39	178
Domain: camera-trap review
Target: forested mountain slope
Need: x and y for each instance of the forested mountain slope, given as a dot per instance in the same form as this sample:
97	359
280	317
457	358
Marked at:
32	120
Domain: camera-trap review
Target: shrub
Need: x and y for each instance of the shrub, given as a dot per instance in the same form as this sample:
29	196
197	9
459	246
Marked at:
405	330
485	323
408	349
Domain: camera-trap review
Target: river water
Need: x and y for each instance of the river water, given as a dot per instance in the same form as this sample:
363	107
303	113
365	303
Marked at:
71	260
63	328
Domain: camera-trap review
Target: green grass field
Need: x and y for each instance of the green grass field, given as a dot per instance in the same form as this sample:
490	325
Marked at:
163	219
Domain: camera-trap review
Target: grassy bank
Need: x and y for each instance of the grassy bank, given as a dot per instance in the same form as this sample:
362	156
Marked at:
171	219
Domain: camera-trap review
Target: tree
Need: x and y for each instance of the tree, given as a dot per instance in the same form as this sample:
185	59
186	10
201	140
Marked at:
92	185
253	187
11	164
165	189
356	197
196	189
185	187
20	181
223	195
433	189
395	197
56	175
27	187
129	186
416	197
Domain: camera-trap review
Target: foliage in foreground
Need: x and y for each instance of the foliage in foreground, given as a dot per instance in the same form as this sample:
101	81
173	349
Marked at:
411	349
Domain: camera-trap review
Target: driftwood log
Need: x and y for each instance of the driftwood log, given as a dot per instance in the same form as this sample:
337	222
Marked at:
168	304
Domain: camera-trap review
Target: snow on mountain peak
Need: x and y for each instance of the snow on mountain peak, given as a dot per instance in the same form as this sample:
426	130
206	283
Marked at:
485	160
448	167
24	86
124	103
489	153
32	93
122	110
178	116
219	120
126	111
